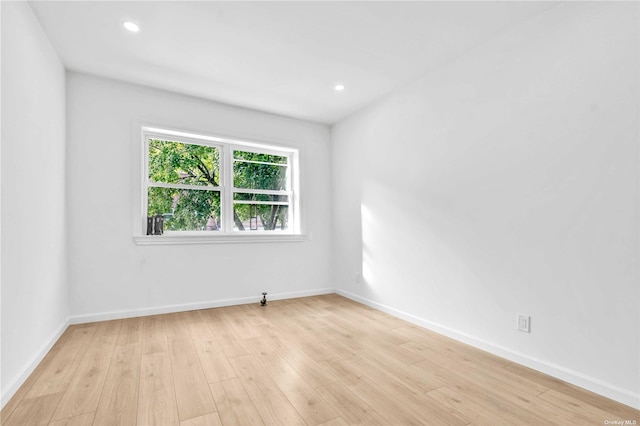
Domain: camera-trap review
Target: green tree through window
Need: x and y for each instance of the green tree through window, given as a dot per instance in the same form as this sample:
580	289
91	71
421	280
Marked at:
264	172
185	165
186	186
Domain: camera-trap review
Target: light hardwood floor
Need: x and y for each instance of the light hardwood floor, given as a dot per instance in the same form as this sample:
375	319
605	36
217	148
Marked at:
321	360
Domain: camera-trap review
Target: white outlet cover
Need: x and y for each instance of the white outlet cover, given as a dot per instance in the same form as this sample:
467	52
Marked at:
524	323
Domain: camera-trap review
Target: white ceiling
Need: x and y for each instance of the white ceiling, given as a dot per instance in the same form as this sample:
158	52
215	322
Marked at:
280	57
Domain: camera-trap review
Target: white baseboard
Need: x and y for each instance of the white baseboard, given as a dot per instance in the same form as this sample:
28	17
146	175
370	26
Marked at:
562	373
31	365
167	309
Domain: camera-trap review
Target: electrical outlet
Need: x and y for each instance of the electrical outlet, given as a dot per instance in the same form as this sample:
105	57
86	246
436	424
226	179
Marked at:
524	323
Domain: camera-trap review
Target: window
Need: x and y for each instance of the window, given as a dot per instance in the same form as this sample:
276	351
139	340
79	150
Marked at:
204	186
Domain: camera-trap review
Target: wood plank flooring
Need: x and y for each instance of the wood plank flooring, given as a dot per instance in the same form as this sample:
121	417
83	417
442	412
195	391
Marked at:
322	360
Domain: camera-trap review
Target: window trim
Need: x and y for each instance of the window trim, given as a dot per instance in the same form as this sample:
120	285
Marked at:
226	145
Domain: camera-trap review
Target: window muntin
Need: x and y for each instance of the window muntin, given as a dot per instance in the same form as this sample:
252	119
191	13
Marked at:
214	184
252	198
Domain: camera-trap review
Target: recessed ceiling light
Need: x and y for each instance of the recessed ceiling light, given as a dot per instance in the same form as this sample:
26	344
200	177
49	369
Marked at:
131	26
338	87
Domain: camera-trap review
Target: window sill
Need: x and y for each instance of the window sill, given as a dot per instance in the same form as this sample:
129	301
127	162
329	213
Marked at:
166	239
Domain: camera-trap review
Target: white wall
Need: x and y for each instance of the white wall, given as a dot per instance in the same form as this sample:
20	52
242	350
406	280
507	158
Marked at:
504	183
34	267
109	273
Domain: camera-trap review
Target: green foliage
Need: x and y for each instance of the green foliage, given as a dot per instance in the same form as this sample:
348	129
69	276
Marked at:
267	174
253	170
256	156
270	217
191	209
184	209
188	164
175	162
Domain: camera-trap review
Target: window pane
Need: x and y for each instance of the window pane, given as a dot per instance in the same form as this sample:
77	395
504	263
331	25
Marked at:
185	209
263	158
176	162
259	176
260	217
259	197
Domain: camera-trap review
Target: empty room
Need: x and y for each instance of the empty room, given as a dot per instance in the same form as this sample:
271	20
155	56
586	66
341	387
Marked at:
320	213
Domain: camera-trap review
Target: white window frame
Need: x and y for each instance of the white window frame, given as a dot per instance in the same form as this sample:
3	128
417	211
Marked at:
227	234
